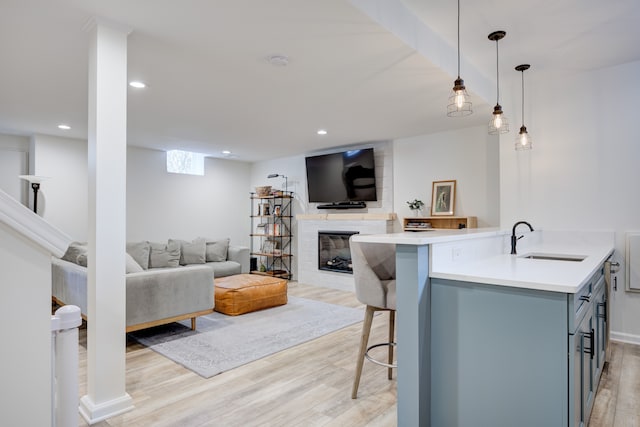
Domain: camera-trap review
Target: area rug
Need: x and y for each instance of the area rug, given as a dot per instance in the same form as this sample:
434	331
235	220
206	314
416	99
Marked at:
221	342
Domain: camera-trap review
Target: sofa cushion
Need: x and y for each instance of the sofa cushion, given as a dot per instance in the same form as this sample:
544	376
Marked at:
192	252
164	255
217	249
225	268
132	265
139	251
75	250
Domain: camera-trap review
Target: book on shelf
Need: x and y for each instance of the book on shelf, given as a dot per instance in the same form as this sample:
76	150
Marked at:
261	228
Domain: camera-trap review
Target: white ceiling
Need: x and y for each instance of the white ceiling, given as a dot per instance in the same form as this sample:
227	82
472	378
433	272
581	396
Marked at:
366	70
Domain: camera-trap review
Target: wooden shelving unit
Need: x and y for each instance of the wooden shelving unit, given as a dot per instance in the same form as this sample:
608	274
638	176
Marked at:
439	223
271	235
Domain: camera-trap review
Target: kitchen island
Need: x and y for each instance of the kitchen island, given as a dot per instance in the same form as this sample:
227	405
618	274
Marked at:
487	338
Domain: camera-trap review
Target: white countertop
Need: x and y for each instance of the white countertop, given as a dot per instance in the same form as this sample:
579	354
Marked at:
428	237
500	268
518	272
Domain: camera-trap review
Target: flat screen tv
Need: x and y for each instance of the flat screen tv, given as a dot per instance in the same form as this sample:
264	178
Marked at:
342	177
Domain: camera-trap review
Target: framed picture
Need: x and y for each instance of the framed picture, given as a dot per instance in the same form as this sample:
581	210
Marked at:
277	210
443	197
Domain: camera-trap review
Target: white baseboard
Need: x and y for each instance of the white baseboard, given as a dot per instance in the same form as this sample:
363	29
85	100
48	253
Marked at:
628	338
93	413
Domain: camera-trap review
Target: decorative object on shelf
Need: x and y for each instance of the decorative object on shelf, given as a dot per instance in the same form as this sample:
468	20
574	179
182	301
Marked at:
268	246
266	211
443	197
286	183
415	206
459	103
498	123
277	210
263	191
35	181
523	140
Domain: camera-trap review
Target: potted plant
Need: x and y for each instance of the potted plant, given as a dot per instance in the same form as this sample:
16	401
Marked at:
415	206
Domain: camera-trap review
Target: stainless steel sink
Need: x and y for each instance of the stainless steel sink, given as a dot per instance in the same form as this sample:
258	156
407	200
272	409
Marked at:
554	257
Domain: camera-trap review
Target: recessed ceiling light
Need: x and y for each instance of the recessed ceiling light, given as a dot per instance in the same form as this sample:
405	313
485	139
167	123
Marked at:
137	84
64	127
226	152
322	132
278	60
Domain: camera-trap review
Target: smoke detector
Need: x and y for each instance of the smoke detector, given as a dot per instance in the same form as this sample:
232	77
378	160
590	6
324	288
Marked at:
278	60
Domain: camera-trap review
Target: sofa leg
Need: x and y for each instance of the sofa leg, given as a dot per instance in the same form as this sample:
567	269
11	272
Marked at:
193	323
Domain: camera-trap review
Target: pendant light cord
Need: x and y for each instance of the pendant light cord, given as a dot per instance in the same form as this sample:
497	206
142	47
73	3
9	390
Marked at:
497	76
522	72
458	38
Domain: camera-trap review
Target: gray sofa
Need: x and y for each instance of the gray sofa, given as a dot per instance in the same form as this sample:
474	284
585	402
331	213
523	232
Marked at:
167	290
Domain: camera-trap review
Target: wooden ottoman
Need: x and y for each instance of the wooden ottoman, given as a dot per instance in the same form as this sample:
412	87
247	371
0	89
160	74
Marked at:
244	293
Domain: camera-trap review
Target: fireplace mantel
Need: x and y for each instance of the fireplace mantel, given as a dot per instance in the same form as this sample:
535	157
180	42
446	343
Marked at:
347	217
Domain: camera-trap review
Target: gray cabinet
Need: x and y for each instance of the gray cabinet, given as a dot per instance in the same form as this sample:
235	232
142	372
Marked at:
512	356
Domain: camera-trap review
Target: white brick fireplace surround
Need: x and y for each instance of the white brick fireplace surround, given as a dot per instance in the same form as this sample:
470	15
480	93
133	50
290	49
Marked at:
308	227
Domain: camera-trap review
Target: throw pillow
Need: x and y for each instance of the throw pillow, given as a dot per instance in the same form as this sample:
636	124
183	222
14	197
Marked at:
217	250
192	253
82	260
139	251
164	255
132	265
74	250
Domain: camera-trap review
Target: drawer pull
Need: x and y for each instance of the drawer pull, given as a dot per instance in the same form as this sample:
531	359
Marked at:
586	298
603	314
592	348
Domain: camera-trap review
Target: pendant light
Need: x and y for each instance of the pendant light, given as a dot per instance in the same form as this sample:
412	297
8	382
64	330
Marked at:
459	103
523	140
498	123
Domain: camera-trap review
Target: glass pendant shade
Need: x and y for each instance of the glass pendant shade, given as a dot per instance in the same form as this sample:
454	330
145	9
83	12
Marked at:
523	140
459	101
498	123
459	104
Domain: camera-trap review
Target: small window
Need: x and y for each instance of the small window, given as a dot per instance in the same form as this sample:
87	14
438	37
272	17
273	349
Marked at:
185	162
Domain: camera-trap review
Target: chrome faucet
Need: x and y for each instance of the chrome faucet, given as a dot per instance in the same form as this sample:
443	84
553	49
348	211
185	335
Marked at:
515	239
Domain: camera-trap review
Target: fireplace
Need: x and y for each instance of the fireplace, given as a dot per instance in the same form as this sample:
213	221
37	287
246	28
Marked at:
334	253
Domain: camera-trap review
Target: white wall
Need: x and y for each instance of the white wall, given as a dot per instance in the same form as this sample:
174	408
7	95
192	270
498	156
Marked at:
62	199
583	171
162	205
14	157
470	156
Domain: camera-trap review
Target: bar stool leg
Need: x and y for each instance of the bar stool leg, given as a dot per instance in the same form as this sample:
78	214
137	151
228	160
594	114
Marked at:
392	327
364	340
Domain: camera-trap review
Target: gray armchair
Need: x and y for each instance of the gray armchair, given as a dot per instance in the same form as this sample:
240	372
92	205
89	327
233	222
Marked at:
374	271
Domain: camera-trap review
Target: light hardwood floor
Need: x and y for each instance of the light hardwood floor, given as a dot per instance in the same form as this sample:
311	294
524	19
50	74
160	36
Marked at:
310	384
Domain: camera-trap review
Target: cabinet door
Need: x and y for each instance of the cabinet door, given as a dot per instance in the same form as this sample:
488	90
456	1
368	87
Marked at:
586	334
575	361
599	313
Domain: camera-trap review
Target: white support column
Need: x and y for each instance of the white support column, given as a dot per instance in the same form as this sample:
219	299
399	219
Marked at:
106	340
